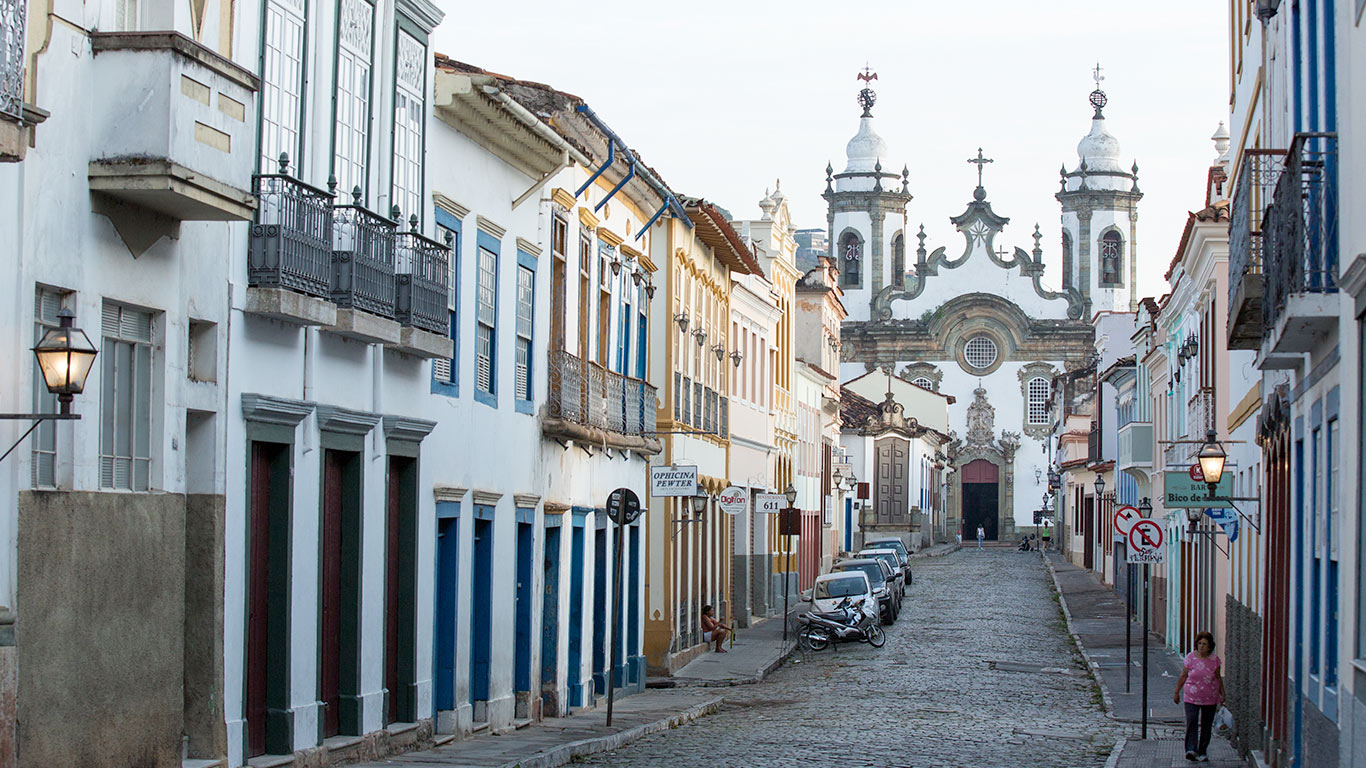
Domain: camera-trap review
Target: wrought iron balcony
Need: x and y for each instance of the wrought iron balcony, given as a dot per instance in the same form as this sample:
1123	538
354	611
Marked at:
1257	178
1093	445
291	237
12	14
422	275
590	403
1301	230
1200	413
363	259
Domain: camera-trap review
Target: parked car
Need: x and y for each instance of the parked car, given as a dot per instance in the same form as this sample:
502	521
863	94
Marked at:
831	589
880	577
900	547
893	562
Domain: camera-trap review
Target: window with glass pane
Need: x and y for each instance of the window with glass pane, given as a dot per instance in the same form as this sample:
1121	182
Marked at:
351	127
1038	400
526	281
125	398
282	83
444	370
485	340
46	304
409	113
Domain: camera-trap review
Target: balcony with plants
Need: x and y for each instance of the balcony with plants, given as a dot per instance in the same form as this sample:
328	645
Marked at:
590	405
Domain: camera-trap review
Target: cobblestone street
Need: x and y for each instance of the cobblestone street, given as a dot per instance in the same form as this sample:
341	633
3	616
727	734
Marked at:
977	672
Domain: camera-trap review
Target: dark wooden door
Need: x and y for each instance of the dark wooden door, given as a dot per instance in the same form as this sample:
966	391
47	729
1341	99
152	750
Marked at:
981	500
258	599
1088	514
329	660
893	481
392	610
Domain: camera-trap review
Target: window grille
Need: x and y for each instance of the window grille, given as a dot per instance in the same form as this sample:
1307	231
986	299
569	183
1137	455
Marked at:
1038	400
46	304
125	399
980	352
924	383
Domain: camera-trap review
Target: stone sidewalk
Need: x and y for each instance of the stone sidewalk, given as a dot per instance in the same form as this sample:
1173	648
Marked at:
1095	616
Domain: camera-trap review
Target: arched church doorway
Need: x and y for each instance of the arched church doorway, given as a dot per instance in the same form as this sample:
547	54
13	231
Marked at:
981	501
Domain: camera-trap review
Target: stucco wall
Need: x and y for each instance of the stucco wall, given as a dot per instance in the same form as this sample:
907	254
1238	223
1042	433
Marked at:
101	615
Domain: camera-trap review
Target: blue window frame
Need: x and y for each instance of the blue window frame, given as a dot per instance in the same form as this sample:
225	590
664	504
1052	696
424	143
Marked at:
624	337
643	334
486	321
526	307
446	373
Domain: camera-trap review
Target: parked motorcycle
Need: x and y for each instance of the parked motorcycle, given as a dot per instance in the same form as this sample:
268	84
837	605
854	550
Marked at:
818	629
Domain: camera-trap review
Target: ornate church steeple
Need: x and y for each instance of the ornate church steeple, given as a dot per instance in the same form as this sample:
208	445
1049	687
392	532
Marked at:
866	210
1099	200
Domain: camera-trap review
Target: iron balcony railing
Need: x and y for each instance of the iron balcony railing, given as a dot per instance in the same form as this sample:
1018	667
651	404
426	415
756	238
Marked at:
1301	227
12	58
291	237
1256	182
1200	415
362	259
588	394
1093	446
422	275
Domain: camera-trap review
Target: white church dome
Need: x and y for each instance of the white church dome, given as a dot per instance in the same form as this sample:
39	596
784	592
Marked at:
866	148
1098	149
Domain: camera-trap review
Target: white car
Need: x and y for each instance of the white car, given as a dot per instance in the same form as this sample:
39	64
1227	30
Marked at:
893	561
832	588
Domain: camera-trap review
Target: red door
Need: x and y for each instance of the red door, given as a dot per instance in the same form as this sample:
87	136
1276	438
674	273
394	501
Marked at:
258	596
330	599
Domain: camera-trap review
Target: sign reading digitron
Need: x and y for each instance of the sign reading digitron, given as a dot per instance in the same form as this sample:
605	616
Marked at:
1183	492
673	480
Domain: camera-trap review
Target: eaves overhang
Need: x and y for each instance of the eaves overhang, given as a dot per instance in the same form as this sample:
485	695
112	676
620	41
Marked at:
476	107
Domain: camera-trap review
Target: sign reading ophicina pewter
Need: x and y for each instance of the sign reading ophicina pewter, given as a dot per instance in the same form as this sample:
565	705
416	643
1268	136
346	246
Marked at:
673	480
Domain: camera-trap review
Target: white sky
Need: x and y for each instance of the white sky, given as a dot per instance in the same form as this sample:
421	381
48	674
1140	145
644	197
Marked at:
724	98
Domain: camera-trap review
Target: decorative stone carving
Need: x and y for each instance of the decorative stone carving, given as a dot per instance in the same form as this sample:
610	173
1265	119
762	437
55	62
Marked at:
981	420
1027	374
923	371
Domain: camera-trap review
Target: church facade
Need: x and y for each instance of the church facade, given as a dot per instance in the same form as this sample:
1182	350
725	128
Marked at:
975	318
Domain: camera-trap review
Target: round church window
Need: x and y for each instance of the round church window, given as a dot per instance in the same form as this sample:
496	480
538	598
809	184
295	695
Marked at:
980	352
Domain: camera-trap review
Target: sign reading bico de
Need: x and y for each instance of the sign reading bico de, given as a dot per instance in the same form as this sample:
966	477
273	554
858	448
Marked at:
1186	489
733	500
673	480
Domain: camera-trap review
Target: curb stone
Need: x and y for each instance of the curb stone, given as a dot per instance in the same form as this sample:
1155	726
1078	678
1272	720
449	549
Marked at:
1113	760
565	753
1107	703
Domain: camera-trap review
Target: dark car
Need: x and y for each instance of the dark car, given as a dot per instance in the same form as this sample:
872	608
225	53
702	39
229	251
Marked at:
902	552
878	573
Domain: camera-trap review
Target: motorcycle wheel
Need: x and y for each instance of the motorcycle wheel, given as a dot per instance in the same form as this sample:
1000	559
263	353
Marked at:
877	637
815	639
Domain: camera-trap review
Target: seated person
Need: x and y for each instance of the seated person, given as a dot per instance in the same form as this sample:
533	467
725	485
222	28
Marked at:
713	629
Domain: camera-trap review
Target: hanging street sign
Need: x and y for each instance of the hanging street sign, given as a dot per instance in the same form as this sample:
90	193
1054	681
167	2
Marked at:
769	503
623	506
734	500
1182	490
673	480
1145	542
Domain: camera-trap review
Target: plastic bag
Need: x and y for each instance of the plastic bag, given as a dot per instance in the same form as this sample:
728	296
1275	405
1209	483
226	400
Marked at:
1223	720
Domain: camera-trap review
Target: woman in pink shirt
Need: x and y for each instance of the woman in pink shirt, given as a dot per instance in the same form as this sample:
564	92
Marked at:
1204	691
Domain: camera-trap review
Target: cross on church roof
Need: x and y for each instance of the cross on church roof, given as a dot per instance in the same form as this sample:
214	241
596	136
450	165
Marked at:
980	161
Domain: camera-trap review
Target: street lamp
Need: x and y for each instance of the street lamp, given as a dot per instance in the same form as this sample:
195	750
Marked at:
682	319
788	514
1211	458
699	503
838	479
1100	484
791	494
1054	479
736	357
65	356
1145	507
700	335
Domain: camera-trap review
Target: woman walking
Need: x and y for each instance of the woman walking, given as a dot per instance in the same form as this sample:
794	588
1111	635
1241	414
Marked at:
1204	691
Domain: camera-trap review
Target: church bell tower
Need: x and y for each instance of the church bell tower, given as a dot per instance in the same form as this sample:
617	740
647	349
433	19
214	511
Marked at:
866	214
1100	219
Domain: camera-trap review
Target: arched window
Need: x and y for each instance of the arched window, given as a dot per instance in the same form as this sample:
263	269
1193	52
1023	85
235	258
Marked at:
1111	258
1038	400
1066	259
923	382
851	260
899	262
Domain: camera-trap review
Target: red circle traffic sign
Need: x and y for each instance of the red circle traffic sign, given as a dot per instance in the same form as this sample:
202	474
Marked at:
1125	517
1145	536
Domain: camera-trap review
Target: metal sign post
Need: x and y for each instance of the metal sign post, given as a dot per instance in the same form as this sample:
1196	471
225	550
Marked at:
1145	546
623	507
1124	520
